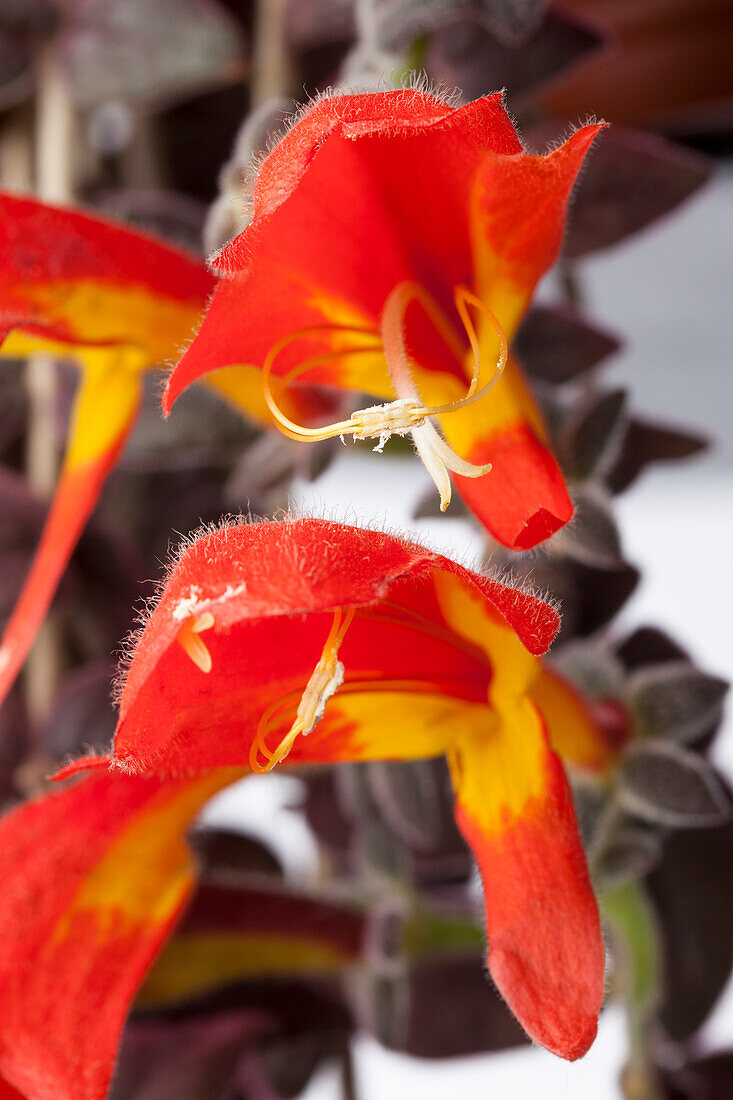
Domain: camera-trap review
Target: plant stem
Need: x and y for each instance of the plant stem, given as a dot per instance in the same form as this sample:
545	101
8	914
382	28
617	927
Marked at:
54	183
348	1072
270	76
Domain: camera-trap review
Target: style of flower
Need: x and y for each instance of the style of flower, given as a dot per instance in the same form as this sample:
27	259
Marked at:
288	643
394	246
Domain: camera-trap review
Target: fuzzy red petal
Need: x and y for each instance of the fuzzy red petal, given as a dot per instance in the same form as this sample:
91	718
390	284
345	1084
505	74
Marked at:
79	279
271	589
93	878
546	951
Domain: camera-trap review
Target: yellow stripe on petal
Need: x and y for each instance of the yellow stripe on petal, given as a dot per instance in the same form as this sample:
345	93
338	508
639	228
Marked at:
148	867
99	313
386	725
468	614
570	725
196	963
106	402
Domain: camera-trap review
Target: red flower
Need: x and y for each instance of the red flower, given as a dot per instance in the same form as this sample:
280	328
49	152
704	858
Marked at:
384	225
117	301
303	641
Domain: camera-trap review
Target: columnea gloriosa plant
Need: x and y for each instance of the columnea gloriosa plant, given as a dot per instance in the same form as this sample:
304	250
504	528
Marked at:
374	258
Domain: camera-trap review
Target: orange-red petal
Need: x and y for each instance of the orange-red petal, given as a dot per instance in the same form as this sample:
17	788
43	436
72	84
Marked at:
104	413
93	878
516	812
271	590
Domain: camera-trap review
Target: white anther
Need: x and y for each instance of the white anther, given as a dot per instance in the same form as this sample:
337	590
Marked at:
382	421
326	679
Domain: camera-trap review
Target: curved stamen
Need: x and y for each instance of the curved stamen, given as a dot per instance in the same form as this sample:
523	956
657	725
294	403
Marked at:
288	426
325	679
407	414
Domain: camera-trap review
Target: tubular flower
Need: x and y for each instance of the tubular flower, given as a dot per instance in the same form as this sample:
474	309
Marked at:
277	644
394	246
119	303
308	641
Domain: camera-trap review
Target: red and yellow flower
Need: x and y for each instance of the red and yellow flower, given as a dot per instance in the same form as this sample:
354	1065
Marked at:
118	303
394	246
292	643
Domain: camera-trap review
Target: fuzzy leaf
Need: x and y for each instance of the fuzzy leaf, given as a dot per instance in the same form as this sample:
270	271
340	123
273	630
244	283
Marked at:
708	1078
402	1013
223	852
630	854
592	434
555	344
512	21
413	797
675	700
648	645
149	53
665	784
645	443
82	714
693	892
591	536
590	596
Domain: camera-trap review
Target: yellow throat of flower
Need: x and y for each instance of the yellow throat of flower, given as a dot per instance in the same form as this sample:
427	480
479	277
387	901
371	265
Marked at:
407	415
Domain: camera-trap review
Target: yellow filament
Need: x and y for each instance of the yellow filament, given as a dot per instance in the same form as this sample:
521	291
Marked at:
287	426
393	336
189	640
403	415
312	699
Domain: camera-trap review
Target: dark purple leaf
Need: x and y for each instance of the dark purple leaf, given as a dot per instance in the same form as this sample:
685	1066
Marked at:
175	217
16	70
442	1009
555	344
465	52
630	853
28	16
592	433
312	23
675	700
289	1062
513	21
415	800
649	646
645	443
194	1057
14	741
693	892
708	1078
224	853
589	596
592	535
326	813
667	785
82	716
632	179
